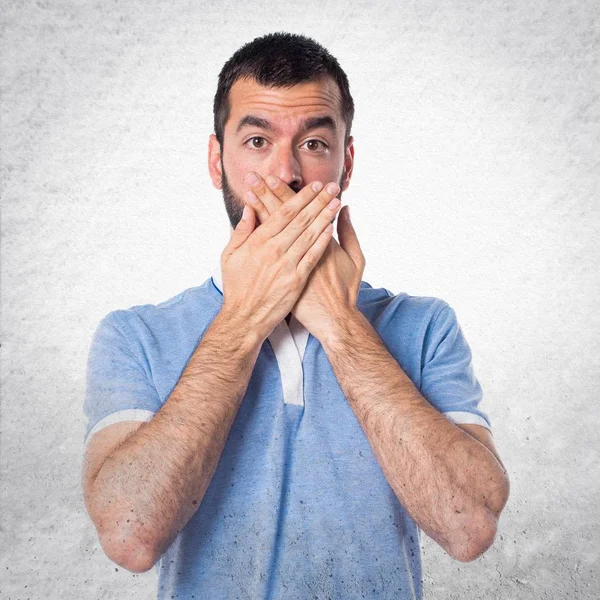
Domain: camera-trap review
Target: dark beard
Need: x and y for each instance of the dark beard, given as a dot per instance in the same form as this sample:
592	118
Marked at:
235	205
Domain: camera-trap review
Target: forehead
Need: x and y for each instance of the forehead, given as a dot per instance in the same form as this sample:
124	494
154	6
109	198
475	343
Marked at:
309	98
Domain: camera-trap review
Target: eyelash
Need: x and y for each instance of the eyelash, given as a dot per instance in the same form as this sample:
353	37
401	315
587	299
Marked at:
324	146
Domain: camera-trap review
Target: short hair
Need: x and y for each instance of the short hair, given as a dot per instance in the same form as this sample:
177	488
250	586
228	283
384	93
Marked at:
280	60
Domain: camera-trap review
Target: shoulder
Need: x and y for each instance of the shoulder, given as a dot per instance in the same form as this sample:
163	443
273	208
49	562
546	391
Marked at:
196	299
189	311
409	310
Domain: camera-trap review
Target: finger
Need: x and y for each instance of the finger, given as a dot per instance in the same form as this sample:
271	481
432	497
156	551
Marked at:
241	233
270	200
280	188
305	242
349	239
261	210
264	193
313	255
324	206
287	222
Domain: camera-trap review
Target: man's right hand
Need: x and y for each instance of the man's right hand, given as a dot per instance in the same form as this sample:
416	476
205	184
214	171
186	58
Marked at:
264	270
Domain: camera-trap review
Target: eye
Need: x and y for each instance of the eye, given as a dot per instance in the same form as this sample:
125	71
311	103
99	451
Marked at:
257	142
313	145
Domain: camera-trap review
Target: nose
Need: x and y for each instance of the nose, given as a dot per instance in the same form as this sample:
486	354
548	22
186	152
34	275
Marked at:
287	168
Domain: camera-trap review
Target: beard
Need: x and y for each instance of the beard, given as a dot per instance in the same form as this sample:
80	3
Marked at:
234	205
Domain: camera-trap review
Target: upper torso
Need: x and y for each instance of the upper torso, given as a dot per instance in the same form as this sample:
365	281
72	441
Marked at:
298	506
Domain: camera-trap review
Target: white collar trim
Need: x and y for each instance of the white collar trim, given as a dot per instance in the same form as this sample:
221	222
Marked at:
289	344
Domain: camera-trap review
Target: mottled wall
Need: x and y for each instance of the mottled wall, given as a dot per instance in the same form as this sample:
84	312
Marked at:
476	181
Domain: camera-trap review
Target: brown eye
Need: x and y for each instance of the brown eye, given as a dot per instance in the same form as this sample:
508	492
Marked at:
260	141
314	145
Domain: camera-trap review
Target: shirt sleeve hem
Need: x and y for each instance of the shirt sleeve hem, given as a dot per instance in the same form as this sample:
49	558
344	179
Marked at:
134	414
460	417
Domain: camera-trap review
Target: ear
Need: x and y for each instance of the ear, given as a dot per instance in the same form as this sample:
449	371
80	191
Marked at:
348	163
214	161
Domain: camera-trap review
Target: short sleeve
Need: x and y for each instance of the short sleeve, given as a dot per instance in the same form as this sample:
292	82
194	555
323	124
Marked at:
447	378
118	387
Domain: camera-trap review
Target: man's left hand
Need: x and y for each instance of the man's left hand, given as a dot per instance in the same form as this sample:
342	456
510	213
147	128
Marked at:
332	288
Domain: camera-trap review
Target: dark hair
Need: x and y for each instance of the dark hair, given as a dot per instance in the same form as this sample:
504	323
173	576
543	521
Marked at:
280	60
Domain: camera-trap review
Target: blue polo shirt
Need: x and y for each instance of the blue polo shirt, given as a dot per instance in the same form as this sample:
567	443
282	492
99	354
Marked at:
298	507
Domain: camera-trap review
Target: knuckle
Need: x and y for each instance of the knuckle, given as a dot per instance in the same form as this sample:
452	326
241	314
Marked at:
296	280
287	212
289	264
325	197
308	236
272	247
304	219
310	261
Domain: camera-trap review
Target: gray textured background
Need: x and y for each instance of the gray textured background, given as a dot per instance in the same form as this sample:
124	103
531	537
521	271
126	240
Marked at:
476	181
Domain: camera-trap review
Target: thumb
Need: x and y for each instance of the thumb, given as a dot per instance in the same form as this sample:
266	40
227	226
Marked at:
243	229
347	236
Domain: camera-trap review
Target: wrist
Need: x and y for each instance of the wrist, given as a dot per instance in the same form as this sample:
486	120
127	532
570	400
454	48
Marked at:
344	328
238	331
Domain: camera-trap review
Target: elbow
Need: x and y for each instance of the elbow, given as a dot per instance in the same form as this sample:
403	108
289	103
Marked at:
129	547
475	539
477	535
128	553
478	538
473	548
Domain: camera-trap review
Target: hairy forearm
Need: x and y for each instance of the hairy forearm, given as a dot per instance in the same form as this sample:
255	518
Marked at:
148	489
450	483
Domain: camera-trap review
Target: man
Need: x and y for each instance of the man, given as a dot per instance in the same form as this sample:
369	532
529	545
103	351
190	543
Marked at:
285	430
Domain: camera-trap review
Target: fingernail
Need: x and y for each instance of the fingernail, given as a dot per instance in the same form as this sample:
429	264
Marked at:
332	189
252	178
317	186
271	181
245	213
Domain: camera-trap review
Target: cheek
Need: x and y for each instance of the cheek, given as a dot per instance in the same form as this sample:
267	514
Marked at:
236	170
324	173
323	169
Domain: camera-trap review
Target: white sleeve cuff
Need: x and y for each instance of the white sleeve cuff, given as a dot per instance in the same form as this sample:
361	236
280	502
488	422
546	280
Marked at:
466	418
119	417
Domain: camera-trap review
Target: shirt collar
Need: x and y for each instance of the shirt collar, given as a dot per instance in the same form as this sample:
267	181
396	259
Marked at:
216	277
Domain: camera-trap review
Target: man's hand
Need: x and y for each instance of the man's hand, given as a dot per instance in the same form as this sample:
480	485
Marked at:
332	287
265	269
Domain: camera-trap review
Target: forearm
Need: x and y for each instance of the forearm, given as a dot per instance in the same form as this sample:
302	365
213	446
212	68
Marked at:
450	483
148	489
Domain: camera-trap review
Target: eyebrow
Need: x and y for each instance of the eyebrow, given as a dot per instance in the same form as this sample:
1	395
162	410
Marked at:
312	123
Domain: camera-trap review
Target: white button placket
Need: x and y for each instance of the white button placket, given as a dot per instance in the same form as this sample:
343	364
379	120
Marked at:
289	344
